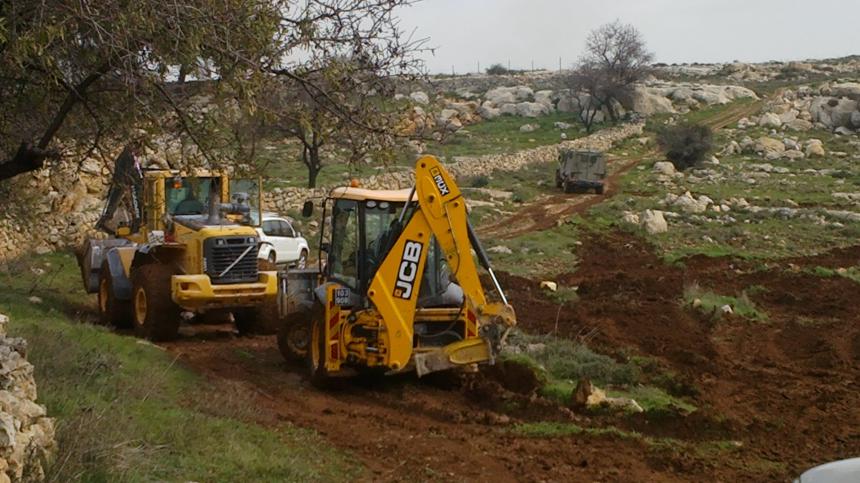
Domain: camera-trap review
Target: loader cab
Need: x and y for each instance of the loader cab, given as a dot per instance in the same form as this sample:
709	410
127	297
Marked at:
364	226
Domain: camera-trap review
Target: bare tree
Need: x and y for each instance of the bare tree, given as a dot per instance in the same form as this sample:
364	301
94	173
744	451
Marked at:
583	86
615	58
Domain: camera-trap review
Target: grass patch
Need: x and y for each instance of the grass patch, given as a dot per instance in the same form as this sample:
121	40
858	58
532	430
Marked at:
851	273
502	135
126	411
711	303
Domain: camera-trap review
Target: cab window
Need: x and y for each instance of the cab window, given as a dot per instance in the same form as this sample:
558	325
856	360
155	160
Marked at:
188	195
343	257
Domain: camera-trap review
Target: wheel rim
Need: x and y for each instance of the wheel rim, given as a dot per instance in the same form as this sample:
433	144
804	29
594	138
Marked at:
303	260
103	295
298	339
140	306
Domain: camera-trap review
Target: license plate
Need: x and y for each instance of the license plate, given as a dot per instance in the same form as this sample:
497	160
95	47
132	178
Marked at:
341	297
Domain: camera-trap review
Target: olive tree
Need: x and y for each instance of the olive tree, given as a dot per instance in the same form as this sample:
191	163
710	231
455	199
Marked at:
77	76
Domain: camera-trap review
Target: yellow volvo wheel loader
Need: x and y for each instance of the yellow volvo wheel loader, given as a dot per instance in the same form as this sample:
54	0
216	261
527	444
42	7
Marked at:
177	245
400	288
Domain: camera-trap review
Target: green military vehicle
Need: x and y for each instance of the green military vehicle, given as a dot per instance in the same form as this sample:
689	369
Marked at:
580	171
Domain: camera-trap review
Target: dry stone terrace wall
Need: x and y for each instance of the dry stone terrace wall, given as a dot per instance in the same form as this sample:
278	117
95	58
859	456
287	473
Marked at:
26	433
57	208
464	166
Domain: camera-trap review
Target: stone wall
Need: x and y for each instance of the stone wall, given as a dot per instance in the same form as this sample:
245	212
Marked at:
26	433
57	207
283	200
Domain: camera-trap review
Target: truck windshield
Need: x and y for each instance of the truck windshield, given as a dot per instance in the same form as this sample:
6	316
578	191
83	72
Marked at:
187	195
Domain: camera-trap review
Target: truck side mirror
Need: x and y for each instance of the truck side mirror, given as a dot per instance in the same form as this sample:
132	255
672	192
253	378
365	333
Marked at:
308	209
123	231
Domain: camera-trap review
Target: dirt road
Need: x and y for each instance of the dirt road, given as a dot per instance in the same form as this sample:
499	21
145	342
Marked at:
547	211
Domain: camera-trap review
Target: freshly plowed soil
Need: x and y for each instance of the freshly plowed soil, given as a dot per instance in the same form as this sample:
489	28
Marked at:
785	390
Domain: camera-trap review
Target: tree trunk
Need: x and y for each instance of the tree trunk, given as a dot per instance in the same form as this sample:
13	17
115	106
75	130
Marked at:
311	158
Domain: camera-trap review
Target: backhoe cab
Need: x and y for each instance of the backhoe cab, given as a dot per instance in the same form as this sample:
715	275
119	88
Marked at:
400	288
179	243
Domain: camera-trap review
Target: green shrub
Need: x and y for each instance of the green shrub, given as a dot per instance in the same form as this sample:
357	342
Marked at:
686	145
479	181
498	69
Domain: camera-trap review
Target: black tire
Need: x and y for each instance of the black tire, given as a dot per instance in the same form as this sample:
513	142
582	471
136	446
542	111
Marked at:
117	313
315	356
272	258
302	262
156	316
599	190
293	336
260	320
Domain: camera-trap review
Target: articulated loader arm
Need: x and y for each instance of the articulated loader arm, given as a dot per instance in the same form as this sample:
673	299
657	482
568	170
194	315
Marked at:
441	213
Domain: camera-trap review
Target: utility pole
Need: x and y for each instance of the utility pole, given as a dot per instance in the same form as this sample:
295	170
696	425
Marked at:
453	74
509	63
479	67
533	65
559	63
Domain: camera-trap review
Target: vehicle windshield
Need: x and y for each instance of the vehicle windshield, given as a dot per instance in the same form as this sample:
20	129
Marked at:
379	218
188	195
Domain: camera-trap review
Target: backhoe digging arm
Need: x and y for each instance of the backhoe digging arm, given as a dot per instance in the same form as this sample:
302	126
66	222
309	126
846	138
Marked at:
442	214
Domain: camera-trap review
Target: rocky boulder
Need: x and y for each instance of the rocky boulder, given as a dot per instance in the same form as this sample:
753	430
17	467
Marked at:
832	112
770	119
850	90
665	168
769	148
647	102
814	148
653	222
531	109
420	97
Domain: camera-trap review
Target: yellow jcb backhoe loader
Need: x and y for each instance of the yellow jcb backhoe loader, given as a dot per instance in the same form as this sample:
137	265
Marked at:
400	288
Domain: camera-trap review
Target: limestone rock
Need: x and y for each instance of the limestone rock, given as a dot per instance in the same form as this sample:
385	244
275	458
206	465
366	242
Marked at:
815	148
770	119
420	97
653	222
769	147
665	168
647	102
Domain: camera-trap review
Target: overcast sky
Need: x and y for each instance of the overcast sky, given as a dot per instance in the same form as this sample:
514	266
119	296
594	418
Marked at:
466	32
